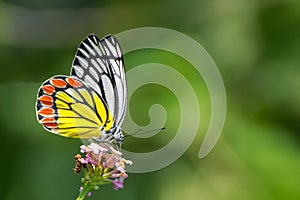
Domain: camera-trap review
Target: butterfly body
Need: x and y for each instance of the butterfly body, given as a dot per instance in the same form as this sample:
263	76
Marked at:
91	102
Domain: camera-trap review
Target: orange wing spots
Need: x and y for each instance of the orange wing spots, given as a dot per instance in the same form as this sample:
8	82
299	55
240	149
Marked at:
74	82
58	83
46	111
48	120
46	100
48	89
50	125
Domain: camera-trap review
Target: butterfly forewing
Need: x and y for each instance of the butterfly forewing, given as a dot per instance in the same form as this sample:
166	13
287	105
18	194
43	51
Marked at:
99	63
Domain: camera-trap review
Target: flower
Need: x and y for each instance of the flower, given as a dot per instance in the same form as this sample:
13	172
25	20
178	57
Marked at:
89	194
102	164
118	184
96	148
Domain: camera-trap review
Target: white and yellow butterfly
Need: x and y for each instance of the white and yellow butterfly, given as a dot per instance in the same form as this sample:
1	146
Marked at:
92	101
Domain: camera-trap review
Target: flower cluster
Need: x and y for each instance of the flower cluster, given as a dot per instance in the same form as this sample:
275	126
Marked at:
102	164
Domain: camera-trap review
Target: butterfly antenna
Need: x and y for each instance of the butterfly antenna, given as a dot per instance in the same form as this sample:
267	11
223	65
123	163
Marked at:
157	129
136	132
139	131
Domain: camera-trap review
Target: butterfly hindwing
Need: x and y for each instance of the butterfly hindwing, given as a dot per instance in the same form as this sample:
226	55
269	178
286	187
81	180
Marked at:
68	107
99	63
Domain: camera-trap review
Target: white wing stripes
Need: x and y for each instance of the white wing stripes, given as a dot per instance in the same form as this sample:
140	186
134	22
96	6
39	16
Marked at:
116	70
100	64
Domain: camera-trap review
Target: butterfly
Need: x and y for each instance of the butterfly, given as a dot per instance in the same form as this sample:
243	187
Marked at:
92	101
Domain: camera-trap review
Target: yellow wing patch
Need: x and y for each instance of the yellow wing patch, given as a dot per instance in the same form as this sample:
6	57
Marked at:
103	111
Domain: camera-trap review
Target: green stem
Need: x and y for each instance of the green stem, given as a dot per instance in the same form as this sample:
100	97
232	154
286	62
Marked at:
84	191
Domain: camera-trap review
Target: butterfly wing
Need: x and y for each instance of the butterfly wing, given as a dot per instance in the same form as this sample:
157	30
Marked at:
68	107
99	63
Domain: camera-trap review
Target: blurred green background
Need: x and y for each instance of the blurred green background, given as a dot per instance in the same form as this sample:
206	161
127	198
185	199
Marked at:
255	45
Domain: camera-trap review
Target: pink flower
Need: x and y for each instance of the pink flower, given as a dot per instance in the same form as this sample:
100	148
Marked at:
83	161
96	148
102	164
118	184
